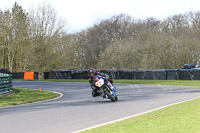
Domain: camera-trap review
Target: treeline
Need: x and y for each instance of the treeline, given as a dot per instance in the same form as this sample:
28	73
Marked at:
31	41
37	41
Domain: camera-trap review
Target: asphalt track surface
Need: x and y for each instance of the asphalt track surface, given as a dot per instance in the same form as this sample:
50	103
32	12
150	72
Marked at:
77	109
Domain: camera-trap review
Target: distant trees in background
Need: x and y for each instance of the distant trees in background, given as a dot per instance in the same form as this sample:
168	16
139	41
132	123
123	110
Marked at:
38	41
31	42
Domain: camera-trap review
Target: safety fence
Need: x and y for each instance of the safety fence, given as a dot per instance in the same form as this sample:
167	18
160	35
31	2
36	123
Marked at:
160	74
5	83
186	73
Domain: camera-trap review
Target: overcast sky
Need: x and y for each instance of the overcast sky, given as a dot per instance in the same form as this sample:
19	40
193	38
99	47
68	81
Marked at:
81	14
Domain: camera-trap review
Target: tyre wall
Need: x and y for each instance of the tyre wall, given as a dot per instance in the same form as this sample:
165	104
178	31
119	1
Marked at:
159	74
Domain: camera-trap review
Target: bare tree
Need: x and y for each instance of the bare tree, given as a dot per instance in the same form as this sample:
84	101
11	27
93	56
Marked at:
45	32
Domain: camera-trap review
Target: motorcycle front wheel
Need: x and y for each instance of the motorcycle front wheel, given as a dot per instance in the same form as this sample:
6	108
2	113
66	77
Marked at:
110	96
116	98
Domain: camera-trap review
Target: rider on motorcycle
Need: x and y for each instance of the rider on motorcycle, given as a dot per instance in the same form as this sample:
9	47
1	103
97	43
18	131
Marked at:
92	74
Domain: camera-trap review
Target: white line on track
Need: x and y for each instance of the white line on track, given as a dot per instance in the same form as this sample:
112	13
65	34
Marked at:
131	116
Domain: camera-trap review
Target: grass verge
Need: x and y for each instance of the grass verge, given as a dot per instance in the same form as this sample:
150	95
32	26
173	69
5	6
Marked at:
21	96
161	82
180	118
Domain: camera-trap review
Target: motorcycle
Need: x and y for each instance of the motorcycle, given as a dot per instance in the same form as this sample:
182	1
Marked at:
105	88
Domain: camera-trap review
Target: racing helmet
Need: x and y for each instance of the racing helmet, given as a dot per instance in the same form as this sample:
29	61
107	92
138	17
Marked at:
92	72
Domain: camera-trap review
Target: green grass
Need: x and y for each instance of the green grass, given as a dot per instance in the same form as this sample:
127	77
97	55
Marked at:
161	82
21	96
180	118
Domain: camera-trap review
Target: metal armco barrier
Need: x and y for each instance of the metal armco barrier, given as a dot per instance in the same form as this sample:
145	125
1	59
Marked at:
5	83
